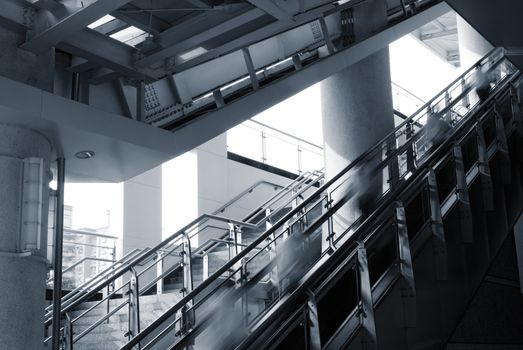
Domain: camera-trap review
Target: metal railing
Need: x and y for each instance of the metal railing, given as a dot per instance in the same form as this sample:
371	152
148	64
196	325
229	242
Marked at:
274	147
143	272
85	255
405	101
401	155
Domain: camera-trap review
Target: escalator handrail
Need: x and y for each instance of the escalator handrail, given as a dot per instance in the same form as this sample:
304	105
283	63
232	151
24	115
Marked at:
145	332
365	229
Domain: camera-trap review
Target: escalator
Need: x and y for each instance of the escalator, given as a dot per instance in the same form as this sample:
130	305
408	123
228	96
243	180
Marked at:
399	278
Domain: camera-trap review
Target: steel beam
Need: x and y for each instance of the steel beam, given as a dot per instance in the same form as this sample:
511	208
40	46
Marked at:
213	123
197	39
436	35
269	30
141	20
105	51
12	15
272	9
69	18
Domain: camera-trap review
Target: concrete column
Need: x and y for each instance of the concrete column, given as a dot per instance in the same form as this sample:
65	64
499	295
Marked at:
357	105
23	236
472	46
142	214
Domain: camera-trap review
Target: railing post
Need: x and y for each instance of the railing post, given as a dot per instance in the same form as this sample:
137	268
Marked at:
134	306
330	223
187	267
411	154
187	316
487	188
205	267
462	193
244	296
466	99
448	101
232	241
408	288
312	326
264	147
300	167
393	166
159	271
438	234
272	249
58	248
68	333
366	312
501	139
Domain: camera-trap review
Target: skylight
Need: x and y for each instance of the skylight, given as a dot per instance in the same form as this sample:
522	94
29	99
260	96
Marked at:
193	53
99	22
131	36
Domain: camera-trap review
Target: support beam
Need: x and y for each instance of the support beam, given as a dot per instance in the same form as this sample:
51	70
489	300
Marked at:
141	20
195	40
436	35
272	9
199	3
12	15
261	34
112	27
105	51
214	123
72	16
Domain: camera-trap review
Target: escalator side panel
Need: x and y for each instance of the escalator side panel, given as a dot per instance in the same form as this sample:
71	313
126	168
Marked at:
513	191
428	319
477	252
453	291
390	320
497	219
339	302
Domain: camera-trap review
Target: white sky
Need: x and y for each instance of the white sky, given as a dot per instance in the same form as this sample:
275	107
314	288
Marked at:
412	66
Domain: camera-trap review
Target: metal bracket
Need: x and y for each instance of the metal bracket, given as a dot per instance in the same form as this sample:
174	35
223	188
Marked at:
68	333
408	288
487	187
501	138
438	234
516	110
393	166
411	154
369	339
462	193
134	306
312	323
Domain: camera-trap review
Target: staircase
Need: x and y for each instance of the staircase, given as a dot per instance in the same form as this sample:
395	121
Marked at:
150	281
402	277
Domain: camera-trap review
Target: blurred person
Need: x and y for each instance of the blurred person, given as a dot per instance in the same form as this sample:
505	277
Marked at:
435	129
368	187
483	79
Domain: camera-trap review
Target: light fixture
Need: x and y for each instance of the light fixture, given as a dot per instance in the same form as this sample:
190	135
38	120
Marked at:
84	154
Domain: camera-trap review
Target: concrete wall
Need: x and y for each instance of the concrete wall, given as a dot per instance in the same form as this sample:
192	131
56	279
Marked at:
142	219
202	180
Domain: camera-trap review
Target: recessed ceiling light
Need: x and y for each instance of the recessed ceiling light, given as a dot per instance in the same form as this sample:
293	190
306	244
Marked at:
84	154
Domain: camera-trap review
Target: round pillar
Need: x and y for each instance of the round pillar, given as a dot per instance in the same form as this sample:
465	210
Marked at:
357	107
472	46
23	236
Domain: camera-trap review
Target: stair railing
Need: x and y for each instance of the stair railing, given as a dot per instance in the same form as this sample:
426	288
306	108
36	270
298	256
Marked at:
172	247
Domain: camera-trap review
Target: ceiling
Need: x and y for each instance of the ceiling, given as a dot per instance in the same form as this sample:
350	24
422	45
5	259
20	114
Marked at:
190	68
